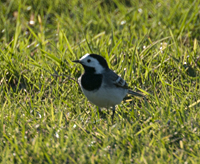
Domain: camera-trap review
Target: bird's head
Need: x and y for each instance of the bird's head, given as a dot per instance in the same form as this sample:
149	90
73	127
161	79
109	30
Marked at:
93	63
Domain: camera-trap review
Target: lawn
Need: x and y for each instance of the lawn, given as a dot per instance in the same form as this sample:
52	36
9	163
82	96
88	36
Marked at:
152	44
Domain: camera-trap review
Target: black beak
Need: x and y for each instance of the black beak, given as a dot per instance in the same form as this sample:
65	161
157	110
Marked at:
76	61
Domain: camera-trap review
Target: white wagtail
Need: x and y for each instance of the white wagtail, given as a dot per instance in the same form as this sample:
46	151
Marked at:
101	85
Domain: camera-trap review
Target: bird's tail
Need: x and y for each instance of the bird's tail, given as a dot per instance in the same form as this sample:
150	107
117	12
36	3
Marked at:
135	93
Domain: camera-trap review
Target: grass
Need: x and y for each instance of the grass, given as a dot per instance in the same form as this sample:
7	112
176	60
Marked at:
44	116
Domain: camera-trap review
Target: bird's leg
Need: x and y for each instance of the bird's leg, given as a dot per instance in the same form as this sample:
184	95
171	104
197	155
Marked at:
99	110
113	109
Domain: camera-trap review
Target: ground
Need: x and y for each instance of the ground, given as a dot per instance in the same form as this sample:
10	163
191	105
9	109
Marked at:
152	44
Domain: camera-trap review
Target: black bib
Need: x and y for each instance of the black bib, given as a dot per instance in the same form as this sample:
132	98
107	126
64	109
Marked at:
91	81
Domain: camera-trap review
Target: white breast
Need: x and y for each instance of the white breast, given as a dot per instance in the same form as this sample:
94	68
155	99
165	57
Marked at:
105	97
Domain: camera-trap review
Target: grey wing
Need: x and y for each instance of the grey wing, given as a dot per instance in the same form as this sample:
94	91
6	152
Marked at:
113	79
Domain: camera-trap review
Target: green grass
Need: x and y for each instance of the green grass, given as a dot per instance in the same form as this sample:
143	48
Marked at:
154	45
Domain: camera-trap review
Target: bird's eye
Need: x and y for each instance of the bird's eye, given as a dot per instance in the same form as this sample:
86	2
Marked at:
88	60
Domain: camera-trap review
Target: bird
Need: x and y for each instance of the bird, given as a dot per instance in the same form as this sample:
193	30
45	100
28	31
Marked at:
101	85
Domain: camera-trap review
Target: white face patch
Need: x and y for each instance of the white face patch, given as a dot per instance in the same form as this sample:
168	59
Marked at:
85	56
89	61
